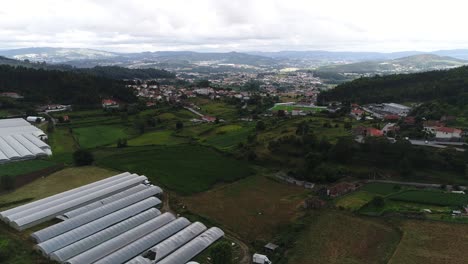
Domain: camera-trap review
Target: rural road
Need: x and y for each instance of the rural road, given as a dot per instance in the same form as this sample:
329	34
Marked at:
415	184
435	144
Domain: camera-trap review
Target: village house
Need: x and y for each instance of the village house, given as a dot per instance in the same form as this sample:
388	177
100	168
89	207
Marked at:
109	104
340	189
448	133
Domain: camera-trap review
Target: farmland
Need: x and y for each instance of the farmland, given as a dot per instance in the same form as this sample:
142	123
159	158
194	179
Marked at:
253	207
157	138
23	167
226	137
431	197
431	242
55	183
337	237
289	108
183	168
94	136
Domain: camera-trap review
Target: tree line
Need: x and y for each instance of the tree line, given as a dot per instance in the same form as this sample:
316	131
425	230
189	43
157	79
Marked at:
65	87
448	86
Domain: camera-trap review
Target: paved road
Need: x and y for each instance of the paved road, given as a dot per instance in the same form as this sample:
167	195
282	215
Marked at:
436	144
415	184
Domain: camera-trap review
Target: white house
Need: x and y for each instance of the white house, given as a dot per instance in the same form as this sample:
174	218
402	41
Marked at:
448	133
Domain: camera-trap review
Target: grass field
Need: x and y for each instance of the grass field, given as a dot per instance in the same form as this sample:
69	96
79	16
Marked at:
355	200
289	108
94	136
381	188
253	207
184	168
337	237
23	167
431	197
157	138
57	182
227	137
63	145
431	242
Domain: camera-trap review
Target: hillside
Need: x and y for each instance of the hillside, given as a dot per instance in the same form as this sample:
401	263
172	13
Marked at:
450	86
66	87
87	58
416	63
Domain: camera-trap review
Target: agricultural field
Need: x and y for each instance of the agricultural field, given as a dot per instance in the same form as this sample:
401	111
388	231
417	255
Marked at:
431	197
227	137
62	144
57	182
289	108
431	242
354	201
253	207
339	237
24	167
164	137
186	169
94	136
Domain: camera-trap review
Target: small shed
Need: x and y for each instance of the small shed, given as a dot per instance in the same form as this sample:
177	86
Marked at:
271	247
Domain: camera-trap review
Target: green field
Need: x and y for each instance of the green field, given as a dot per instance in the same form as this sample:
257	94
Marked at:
431	197
94	136
157	138
226	137
63	145
24	167
380	188
337	237
184	168
354	201
289	108
57	182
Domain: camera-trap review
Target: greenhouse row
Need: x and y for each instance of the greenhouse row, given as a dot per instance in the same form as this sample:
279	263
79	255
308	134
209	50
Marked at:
114	220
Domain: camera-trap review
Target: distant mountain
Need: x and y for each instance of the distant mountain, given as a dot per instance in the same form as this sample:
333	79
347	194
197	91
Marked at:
416	63
57	55
89	58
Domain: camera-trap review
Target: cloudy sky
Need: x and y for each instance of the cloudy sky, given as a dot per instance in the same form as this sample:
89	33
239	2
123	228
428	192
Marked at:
235	25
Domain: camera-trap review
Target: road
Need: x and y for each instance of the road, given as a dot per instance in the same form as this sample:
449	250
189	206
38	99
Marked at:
415	184
436	144
194	111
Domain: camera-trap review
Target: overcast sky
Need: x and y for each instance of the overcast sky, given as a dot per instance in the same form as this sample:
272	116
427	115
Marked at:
235	25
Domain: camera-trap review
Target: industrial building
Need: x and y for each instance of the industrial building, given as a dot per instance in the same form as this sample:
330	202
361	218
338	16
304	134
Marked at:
19	140
112	221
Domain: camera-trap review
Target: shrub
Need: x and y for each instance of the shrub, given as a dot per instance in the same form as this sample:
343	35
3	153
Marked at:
83	157
7	182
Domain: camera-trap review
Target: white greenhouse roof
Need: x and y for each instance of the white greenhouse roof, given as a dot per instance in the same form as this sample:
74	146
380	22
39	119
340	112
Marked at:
111	221
19	141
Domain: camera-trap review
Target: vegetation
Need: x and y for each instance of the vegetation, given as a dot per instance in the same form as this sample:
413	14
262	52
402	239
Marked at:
186	169
263	205
337	237
221	253
24	167
448	86
83	157
100	135
42	86
431	197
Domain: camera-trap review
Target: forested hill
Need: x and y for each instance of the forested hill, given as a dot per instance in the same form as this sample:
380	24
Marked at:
65	87
113	72
119	73
449	86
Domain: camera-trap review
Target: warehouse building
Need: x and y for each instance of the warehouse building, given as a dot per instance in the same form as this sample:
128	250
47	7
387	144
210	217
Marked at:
112	221
19	140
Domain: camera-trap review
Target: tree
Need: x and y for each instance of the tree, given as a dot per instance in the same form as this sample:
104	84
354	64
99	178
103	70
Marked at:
179	125
221	253
260	126
302	129
83	157
50	126
404	167
7	182
378	201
